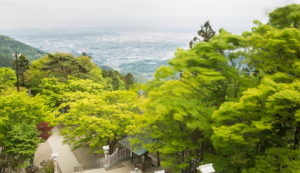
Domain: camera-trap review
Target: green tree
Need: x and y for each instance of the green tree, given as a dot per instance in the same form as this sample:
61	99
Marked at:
272	50
20	144
206	33
20	108
277	160
178	123
64	65
266	117
52	91
183	96
7	77
118	81
260	132
48	167
208	71
35	74
97	120
19	115
129	80
23	65
285	17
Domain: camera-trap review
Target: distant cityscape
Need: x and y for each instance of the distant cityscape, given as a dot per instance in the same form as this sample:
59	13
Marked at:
138	52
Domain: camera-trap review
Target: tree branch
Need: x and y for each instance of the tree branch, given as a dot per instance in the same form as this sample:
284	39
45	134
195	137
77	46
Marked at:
200	92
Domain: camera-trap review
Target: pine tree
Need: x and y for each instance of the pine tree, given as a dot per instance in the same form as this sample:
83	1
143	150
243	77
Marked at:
206	33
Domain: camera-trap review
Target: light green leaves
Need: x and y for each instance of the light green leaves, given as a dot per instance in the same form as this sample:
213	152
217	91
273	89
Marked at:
21	143
7	77
98	120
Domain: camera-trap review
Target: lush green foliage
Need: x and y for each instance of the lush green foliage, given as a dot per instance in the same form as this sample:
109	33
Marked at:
183	96
62	85
7	77
23	65
117	80
21	143
19	115
97	119
48	167
208	107
5	60
284	17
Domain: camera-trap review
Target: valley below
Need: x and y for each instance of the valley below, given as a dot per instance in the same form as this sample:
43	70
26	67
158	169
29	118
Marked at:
135	51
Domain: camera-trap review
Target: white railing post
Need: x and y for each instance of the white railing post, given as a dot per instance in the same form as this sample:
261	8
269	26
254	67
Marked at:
106	161
109	161
117	155
54	158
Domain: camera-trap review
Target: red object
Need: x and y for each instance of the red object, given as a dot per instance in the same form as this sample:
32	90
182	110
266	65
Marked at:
45	130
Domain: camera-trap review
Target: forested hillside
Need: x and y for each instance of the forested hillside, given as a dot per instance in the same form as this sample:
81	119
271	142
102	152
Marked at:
9	46
205	107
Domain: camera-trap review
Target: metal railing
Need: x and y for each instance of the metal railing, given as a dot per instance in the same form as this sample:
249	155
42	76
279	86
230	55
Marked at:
154	161
113	158
78	168
119	154
100	163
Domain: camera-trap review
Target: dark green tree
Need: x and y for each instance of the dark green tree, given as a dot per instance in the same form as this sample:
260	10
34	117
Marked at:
23	65
206	33
5	60
64	65
129	80
118	81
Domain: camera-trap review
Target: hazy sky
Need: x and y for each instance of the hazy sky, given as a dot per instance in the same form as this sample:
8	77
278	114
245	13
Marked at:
233	15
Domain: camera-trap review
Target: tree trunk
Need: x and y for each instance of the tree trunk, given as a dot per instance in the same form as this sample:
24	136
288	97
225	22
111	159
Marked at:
158	160
18	167
296	136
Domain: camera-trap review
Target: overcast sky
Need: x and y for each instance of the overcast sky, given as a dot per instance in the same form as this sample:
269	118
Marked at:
186	15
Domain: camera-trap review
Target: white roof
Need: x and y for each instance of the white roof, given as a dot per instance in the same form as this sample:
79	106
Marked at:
206	168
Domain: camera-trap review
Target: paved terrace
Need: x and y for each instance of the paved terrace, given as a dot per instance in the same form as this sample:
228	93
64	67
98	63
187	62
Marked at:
66	159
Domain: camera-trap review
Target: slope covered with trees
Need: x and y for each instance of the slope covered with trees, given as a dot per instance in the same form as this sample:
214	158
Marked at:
9	46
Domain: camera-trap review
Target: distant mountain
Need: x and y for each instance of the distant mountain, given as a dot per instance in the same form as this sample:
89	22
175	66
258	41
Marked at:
9	46
106	67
